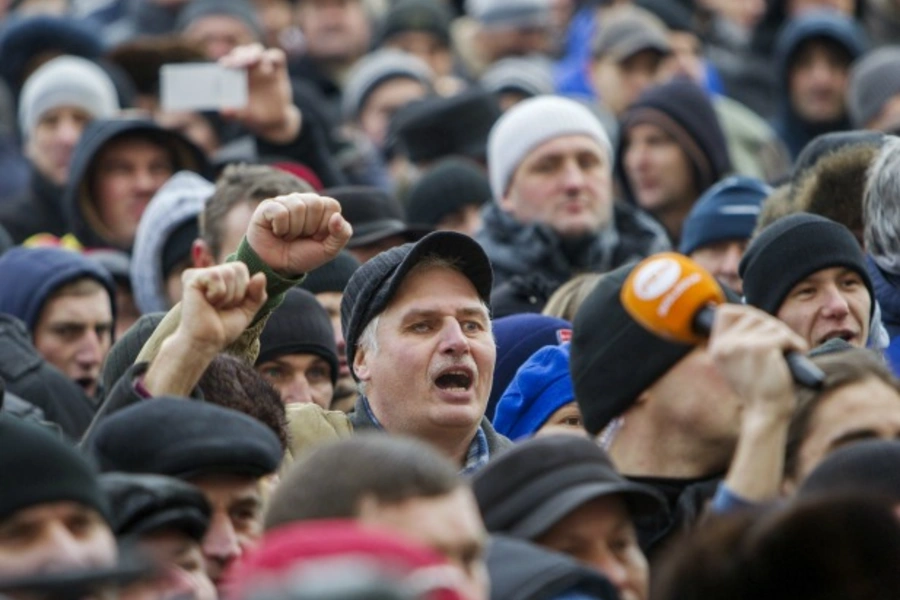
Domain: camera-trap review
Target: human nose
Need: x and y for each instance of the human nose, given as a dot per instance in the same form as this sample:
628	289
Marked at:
453	339
221	541
297	391
836	305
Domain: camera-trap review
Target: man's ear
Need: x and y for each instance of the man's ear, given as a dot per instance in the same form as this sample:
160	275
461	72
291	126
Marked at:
201	256
360	365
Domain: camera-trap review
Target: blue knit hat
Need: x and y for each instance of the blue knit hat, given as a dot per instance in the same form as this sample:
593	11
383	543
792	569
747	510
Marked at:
518	337
727	211
541	386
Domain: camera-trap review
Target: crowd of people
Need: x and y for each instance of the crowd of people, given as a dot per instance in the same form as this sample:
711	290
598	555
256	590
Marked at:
382	331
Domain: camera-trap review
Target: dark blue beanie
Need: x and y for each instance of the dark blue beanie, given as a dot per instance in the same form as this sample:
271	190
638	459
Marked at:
727	211
541	386
518	337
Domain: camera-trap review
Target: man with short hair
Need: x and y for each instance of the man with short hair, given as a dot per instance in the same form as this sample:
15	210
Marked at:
54	517
418	329
810	272
57	102
399	484
66	302
226	213
719	226
671	150
860	400
813	55
550	168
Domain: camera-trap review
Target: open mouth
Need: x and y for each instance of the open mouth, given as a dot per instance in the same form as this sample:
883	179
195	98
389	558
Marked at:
454	380
844	334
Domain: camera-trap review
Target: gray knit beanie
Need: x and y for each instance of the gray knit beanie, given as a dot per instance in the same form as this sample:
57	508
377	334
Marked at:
874	80
66	81
376	68
529	124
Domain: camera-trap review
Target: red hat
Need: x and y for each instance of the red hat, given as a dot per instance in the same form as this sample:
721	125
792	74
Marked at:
285	554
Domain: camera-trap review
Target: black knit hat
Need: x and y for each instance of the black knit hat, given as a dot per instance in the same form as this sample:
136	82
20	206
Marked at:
452	184
793	248
682	110
427	16
375	283
184	438
374	215
37	467
613	358
530	488
332	276
299	326
144	504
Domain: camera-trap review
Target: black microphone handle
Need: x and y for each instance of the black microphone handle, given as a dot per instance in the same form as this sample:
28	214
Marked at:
803	370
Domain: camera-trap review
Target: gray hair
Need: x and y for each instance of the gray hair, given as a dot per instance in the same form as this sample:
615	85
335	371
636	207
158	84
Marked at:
881	207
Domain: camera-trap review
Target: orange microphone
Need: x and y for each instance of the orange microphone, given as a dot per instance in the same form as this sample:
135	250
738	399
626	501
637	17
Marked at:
675	298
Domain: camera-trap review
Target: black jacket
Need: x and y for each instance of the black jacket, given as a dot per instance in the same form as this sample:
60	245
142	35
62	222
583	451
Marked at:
517	249
520	570
38	210
686	498
29	376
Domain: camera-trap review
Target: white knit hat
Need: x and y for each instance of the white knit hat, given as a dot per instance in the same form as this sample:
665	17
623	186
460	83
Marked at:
529	124
66	81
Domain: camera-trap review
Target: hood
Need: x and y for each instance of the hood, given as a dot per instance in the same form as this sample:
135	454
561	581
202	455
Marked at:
28	276
830	25
179	200
816	24
77	199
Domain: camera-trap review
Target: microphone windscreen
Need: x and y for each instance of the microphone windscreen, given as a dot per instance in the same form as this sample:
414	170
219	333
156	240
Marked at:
665	292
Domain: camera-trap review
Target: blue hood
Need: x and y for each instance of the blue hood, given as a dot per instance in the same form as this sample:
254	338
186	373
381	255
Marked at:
28	276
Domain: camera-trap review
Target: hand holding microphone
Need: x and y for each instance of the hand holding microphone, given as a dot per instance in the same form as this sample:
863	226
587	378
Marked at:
675	298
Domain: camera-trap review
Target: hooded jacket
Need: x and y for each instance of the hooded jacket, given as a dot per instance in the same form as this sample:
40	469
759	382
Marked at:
28	277
519	249
31	378
179	200
78	200
793	130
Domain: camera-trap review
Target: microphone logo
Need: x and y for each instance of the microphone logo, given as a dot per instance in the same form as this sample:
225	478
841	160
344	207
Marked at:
655	278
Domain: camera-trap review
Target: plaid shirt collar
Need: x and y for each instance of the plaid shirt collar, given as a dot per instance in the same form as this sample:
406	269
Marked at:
478	455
